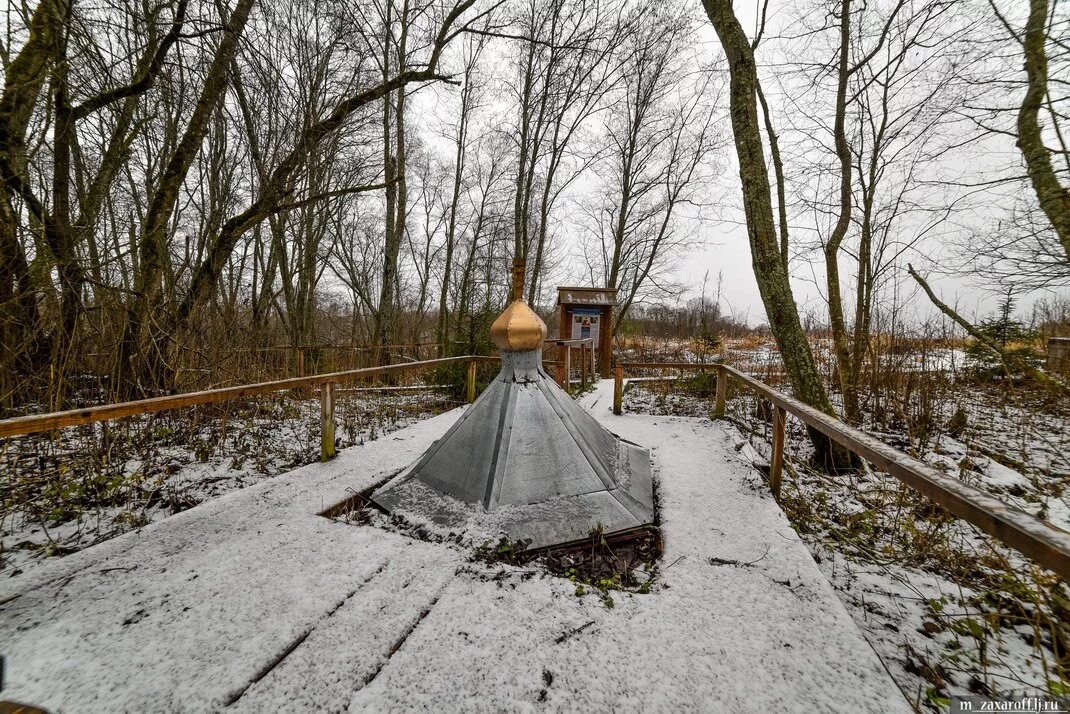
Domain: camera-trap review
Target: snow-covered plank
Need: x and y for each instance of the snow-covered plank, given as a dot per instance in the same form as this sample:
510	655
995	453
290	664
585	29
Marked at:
352	645
256	601
186	613
744	621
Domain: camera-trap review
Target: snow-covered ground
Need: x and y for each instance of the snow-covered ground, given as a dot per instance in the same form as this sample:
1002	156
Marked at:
985	627
252	600
948	610
90	484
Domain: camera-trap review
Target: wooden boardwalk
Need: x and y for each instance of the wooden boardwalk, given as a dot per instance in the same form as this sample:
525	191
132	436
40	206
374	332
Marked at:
253	602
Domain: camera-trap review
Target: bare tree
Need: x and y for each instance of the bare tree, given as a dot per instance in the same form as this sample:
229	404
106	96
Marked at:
770	271
471	97
487	225
568	64
58	44
423	240
660	130
1024	243
894	74
275	192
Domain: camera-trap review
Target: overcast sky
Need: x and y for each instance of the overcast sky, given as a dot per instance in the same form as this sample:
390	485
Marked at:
720	244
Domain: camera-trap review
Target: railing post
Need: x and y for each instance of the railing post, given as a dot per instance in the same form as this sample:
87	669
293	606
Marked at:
568	368
470	384
300	361
618	388
326	421
722	391
583	367
776	462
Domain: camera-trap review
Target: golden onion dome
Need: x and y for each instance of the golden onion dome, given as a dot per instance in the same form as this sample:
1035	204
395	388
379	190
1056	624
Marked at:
518	328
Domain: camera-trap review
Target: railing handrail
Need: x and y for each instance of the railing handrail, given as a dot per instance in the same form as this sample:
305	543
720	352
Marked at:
673	365
18	426
1029	535
562	342
330	346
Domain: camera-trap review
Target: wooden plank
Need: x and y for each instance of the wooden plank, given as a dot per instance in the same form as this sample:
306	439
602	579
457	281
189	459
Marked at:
75	417
326	346
385	389
618	388
567	369
470	382
605	338
702	366
722	392
583	367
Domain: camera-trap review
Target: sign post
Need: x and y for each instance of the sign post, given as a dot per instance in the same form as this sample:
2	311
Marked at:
587	313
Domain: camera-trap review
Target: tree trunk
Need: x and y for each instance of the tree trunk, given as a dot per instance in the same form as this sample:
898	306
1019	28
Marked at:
442	327
778	172
1054	199
58	224
844	358
394	171
386	317
24	77
18	311
769	270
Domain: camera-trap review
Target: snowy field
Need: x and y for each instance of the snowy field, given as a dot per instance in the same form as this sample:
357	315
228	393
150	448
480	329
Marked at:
253	602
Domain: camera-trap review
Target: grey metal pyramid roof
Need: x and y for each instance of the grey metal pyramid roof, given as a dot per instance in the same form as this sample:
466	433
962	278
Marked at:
528	461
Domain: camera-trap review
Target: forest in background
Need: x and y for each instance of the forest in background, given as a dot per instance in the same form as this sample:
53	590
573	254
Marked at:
185	181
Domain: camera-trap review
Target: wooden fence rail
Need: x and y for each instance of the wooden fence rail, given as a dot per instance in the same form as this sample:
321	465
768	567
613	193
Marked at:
35	423
328	346
1041	541
1031	536
586	347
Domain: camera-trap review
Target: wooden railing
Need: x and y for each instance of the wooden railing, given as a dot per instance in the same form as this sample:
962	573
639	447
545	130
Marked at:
1041	541
1031	536
564	364
300	353
325	382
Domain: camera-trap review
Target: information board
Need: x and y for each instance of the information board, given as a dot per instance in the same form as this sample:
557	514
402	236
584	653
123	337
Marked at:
585	324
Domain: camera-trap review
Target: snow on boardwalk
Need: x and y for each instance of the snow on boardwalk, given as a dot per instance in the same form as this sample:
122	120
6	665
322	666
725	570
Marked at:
252	602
